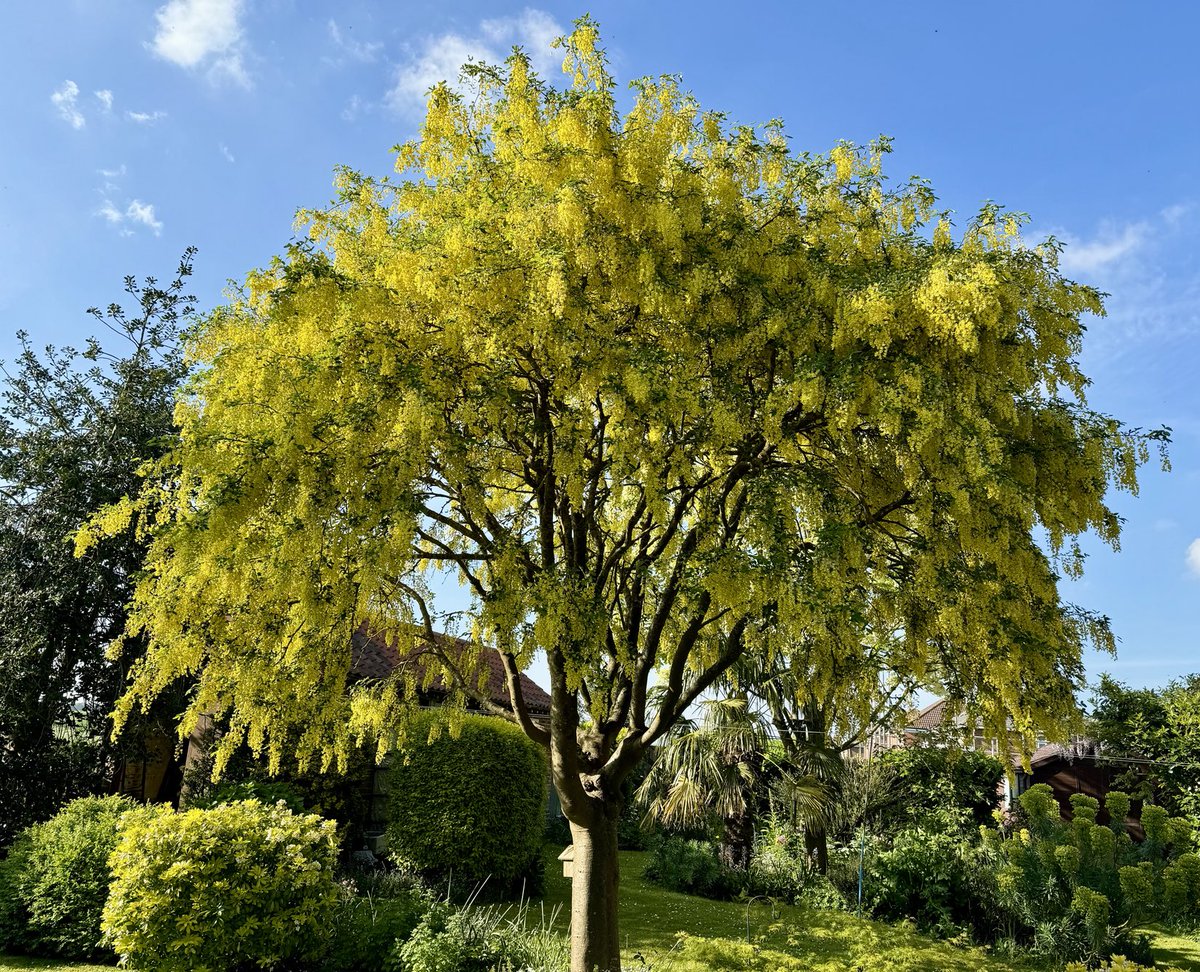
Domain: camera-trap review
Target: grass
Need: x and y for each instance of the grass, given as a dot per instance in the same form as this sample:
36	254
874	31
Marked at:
21	964
680	933
1175	950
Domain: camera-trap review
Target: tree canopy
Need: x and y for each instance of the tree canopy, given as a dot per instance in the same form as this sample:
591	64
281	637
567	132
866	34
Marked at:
1152	739
74	427
655	388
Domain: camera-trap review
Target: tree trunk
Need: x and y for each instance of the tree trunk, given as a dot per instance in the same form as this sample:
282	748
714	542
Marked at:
595	941
816	843
737	842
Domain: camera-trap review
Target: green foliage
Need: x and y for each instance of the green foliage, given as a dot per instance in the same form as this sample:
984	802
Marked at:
1161	725
471	805
480	939
74	428
342	793
1119	963
14	913
237	884
693	867
366	928
1073	889
266	792
936	780
58	876
929	876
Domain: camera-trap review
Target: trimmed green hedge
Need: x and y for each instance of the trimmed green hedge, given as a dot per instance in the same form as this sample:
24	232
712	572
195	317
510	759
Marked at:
471	806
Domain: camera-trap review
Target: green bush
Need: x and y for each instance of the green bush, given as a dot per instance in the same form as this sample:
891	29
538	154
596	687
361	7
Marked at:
1074	889
779	865
693	867
344	797
929	877
56	880
236	885
937	781
14	915
471	807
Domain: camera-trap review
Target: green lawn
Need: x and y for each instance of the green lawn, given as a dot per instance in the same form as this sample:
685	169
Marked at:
1182	953
681	933
46	965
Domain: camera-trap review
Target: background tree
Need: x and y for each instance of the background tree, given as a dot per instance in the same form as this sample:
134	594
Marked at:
654	388
74	427
1160	726
824	698
718	770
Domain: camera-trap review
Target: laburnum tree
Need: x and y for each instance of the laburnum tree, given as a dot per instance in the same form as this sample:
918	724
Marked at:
663	394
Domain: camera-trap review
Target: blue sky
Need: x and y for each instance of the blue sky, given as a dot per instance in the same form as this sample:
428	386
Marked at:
130	130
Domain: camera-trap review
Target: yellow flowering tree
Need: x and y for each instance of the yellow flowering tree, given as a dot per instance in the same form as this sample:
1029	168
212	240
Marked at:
655	388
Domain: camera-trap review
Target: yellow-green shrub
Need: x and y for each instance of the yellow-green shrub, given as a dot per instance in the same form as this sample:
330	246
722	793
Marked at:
235	885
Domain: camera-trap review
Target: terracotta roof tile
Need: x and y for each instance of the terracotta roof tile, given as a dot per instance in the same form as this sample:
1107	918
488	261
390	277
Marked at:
377	657
930	717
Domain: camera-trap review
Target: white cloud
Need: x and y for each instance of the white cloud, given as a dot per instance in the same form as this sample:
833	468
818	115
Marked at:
136	212
64	99
145	117
1109	246
534	30
364	51
105	97
441	58
1193	556
354	108
203	34
1173	215
1153	307
111	213
140	212
225	152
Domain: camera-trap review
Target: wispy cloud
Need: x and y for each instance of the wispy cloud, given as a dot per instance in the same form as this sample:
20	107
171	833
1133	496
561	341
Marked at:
351	49
1193	556
203	35
66	99
1154	285
441	57
145	117
1110	245
105	97
137	213
353	108
226	153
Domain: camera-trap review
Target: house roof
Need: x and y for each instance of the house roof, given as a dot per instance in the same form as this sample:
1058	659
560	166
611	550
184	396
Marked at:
1069	752
930	717
375	656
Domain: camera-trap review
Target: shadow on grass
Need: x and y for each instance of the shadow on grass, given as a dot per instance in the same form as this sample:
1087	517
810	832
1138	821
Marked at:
22	963
682	933
1175	950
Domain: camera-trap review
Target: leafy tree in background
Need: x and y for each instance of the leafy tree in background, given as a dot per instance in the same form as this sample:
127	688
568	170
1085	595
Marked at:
74	427
1160	726
654	388
823	699
942	781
